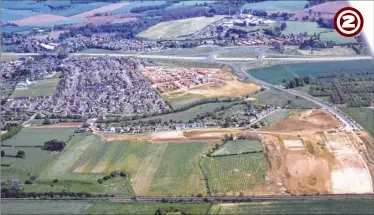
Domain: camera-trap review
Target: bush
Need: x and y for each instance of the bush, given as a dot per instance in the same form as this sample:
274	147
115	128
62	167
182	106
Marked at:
55	180
122	174
20	154
100	181
106	177
28	181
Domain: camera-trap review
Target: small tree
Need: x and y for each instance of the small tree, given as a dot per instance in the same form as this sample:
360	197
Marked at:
20	154
2	153
28	181
47	121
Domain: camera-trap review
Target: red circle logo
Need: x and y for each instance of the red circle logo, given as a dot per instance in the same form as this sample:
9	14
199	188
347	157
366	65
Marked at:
348	22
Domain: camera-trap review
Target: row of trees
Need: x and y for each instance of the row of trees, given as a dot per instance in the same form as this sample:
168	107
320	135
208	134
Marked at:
11	132
297	82
54	145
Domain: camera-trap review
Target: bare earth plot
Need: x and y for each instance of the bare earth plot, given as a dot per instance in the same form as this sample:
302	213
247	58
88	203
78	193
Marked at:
40	19
178	28
309	154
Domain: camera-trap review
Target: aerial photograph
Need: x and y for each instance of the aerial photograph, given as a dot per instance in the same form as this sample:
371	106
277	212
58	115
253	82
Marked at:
186	107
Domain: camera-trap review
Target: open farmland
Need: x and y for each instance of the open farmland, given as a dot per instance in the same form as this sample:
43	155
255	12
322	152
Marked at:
90	207
44	87
337	38
178	28
363	116
171	169
103	9
275	74
182	4
231	175
128	7
40	19
86	159
37	136
239	146
276	5
278	98
277	116
345	206
295	27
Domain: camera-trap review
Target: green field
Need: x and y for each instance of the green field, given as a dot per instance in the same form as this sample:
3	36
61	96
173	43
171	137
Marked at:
89	207
178	28
363	116
337	38
230	175
346	206
86	159
296	27
280	99
199	51
44	87
276	5
239	54
275	74
239	146
178	172
37	136
277	116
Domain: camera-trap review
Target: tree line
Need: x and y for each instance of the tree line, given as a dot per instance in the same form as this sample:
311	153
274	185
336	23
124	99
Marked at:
11	132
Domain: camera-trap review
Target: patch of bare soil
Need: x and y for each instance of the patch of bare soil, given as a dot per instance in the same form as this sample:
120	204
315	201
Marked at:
310	121
40	19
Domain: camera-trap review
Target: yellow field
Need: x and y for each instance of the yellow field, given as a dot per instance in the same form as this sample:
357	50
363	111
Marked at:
178	28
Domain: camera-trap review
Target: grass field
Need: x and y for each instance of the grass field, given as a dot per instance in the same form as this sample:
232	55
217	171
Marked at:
127	8
86	159
335	51
276	5
275	74
182	4
277	98
337	38
239	146
199	51
45	87
230	175
234	54
296	27
347	206
175	171
277	116
177	28
364	117
37	136
88	207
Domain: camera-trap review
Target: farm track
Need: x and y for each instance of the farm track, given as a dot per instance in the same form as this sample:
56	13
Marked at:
148	168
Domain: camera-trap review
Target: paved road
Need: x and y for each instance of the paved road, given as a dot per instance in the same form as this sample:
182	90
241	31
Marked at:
214	199
348	123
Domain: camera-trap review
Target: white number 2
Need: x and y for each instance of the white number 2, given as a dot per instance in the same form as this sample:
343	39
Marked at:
348	21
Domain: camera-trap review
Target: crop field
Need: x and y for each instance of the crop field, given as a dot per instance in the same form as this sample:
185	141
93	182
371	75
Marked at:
85	160
337	38
127	8
46	87
44	207
346	206
34	162
230	175
37	136
295	27
171	169
10	15
239	146
276	5
187	3
275	74
280	99
199	51
364	117
178	28
90	207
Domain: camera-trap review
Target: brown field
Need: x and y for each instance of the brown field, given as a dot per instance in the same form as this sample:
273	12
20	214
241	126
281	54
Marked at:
185	136
104	9
40	19
182	83
325	10
308	154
